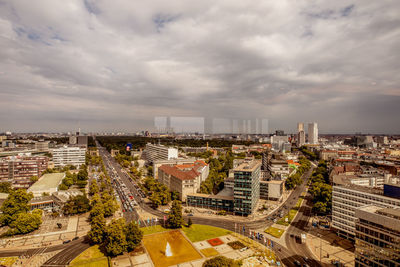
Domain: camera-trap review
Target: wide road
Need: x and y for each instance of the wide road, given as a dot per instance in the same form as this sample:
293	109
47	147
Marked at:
287	255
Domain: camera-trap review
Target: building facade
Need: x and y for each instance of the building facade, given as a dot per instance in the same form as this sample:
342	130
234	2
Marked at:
19	170
246	190
313	133
64	156
346	199
160	152
377	237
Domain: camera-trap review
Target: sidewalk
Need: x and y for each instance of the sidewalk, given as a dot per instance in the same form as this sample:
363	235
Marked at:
320	243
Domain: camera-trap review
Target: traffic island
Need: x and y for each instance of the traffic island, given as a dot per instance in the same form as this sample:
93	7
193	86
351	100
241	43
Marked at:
275	232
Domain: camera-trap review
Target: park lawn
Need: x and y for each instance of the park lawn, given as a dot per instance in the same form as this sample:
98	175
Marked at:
8	261
153	229
275	232
199	232
292	213
92	257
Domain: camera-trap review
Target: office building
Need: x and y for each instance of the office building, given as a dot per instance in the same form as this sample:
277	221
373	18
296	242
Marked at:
18	170
160	152
158	163
65	155
347	198
377	236
300	127
313	133
301	134
246	190
271	190
215	202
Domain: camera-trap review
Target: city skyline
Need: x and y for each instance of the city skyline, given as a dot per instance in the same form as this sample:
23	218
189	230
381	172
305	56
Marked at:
107	67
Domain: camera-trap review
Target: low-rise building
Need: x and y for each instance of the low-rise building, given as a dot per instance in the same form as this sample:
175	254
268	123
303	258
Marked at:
271	190
47	184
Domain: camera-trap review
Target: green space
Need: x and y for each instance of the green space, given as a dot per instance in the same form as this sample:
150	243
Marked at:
292	213
209	252
275	232
153	229
8	261
199	232
92	257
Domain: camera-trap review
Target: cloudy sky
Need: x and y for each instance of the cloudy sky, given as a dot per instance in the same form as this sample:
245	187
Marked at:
115	65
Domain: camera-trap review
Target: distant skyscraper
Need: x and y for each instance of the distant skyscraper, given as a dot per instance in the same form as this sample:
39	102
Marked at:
300	127
313	133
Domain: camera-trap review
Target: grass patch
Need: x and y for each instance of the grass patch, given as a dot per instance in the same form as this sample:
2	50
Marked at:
275	232
8	261
153	229
236	245
209	252
199	232
92	257
292	213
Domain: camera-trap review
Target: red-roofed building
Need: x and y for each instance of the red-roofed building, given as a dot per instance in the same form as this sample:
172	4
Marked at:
184	178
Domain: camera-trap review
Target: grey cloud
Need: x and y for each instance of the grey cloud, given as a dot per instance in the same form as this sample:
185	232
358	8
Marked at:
119	64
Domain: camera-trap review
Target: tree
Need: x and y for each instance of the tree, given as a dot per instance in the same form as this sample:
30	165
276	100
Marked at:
94	188
76	205
133	235
189	223
115	238
62	187
220	261
175	218
26	222
34	179
16	202
96	233
5	187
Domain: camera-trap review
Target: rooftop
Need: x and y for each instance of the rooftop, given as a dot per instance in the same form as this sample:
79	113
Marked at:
211	196
49	180
178	173
248	166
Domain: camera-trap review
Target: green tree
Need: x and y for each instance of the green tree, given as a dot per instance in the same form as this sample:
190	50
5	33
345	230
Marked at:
76	205
96	233
26	222
16	202
115	238
220	261
5	187
175	218
34	179
133	235
62	187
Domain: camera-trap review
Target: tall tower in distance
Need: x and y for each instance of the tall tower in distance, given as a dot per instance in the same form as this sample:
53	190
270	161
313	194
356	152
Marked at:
301	135
300	127
313	133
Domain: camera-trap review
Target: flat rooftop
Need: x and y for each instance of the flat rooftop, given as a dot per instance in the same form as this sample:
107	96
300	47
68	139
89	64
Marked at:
212	196
248	166
47	181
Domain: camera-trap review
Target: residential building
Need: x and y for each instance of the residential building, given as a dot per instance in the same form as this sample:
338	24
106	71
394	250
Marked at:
18	170
184	179
158	163
247	187
313	133
160	152
48	184
377	236
347	198
65	155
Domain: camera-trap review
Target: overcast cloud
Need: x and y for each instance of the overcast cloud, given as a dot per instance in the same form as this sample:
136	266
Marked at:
105	65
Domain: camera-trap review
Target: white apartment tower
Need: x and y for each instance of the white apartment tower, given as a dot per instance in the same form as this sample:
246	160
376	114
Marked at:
313	133
301	135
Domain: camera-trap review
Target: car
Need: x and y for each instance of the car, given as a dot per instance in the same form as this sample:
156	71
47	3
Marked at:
243	249
297	263
75	238
190	214
66	241
306	259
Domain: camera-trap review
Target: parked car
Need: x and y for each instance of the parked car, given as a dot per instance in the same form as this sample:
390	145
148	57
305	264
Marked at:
75	238
66	241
